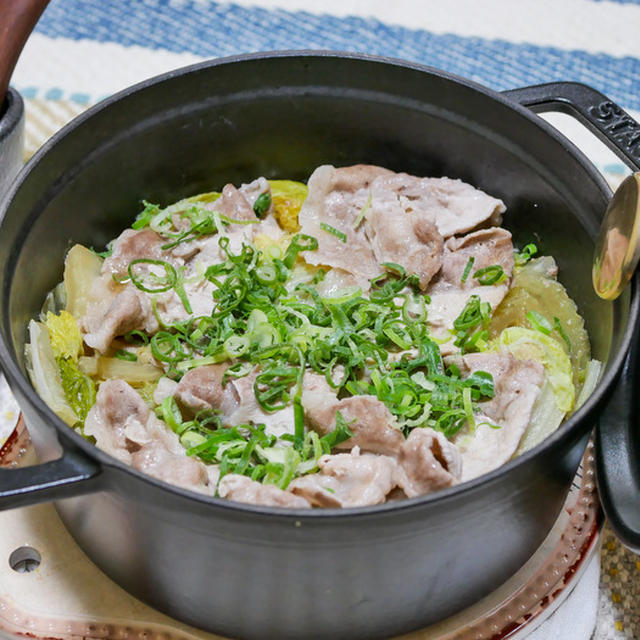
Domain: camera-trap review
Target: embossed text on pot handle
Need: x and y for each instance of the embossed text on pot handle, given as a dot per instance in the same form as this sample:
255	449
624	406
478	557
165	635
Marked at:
609	122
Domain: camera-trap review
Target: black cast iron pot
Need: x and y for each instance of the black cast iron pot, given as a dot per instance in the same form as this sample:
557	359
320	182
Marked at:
258	572
11	137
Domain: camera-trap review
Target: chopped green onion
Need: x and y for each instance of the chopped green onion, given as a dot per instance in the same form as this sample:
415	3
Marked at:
363	211
394	268
162	283
122	354
333	231
299	242
468	407
266	274
522	257
341	433
493	274
143	219
558	327
471	325
170	413
539	322
467	269
191	439
236	346
262	204
135	335
102	254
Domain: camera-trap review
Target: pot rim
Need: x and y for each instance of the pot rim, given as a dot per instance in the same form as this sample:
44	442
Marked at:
11	113
565	431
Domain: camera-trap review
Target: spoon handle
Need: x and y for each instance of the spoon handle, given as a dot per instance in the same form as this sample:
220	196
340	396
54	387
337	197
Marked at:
17	20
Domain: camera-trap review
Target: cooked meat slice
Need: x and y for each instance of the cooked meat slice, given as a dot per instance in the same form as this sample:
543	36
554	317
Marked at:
129	310
456	206
358	176
213	472
124	427
348	480
132	245
517	387
449	294
427	462
166	387
201	389
487	247
157	461
233	204
369	420
410	239
276	423
118	414
335	199
446	306
392	229
243	489
253	190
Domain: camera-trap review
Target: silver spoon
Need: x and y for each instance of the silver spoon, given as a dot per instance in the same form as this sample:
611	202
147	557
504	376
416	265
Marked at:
618	244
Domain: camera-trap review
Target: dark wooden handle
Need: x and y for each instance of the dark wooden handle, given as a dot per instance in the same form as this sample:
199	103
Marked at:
17	20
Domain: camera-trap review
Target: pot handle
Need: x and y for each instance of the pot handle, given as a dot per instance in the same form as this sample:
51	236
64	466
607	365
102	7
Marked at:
603	117
71	475
618	453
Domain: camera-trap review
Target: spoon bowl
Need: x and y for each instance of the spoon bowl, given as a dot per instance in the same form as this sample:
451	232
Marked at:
617	249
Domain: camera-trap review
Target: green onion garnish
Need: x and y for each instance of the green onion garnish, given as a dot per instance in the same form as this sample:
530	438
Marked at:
539	322
522	257
150	282
122	354
261	324
471	325
493	274
558	327
467	269
333	231
262	204
363	211
143	219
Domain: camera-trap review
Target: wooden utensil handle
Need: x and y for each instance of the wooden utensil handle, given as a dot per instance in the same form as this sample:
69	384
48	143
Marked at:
17	20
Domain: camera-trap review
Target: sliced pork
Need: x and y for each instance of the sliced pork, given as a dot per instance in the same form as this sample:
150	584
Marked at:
157	461
277	423
243	489
118	413
348	480
487	247
130	309
456	206
335	199
253	190
233	204
517	387
372	424
427	461
124	427
201	389
388	217
410	239
133	245
449	295
378	225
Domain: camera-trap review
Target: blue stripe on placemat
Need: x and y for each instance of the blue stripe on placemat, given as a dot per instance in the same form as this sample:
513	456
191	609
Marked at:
213	29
